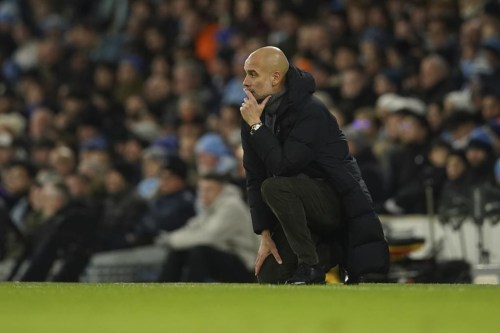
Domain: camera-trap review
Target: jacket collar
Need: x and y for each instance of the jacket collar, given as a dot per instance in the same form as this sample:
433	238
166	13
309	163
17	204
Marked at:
299	85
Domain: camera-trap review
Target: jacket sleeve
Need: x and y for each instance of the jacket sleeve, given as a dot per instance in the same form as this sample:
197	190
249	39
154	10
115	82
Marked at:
298	150
255	171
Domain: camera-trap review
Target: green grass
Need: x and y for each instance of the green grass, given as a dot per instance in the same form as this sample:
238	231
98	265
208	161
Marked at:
134	308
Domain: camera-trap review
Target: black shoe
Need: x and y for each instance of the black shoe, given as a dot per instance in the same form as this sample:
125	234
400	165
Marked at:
307	274
367	278
355	280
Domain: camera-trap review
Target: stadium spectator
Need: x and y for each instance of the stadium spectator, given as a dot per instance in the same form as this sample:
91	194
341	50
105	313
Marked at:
41	124
122	210
66	237
152	161
457	128
480	157
408	165
493	128
139	120
435	79
355	92
78	185
216	245
131	150
360	148
174	201
229	124
17	179
490	104
214	156
19	203
457	187
8	148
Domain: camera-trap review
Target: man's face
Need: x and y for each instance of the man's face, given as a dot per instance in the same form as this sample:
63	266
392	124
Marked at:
114	182
352	83
169	182
206	162
490	107
258	79
209	191
410	130
17	180
50	201
476	156
455	167
430	74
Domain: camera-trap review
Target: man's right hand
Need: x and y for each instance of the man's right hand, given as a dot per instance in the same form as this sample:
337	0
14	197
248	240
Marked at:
267	247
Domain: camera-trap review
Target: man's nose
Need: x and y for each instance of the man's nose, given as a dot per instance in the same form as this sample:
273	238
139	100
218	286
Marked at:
245	82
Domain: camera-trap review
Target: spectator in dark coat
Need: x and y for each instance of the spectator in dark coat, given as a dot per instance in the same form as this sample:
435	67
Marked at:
368	164
435	79
17	179
481	158
5	229
355	92
455	196
408	165
122	210
66	238
174	202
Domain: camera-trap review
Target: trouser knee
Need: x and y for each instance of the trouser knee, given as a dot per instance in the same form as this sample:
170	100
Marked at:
273	187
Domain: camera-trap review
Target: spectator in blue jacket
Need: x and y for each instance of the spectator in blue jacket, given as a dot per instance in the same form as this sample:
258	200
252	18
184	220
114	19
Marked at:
174	202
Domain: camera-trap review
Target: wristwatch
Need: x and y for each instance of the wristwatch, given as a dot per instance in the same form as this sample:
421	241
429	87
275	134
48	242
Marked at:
254	128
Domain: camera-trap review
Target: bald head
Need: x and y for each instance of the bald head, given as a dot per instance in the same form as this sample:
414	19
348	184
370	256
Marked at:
265	70
273	58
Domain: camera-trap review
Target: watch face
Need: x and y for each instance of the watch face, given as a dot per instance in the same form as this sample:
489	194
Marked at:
255	127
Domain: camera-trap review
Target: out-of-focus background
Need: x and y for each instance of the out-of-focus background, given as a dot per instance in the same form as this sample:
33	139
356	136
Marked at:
111	112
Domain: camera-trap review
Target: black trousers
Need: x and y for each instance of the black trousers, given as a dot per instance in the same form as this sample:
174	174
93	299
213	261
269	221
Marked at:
204	264
309	215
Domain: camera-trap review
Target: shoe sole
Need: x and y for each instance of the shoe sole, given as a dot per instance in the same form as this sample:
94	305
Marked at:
304	283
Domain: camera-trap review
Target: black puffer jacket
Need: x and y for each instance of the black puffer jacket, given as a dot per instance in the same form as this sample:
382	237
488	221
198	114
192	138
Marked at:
306	139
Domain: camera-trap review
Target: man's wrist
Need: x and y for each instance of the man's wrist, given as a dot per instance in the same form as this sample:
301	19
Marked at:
255	127
265	233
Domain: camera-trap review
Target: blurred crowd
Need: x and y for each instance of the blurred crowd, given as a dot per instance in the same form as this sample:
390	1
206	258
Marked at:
115	113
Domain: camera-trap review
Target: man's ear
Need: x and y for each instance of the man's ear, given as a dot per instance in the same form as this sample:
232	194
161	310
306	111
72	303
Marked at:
276	78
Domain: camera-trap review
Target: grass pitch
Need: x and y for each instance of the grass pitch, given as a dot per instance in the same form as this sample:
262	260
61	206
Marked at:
109	308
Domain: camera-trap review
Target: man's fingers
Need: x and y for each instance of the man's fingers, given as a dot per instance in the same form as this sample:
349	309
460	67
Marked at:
264	102
266	248
258	264
276	256
249	95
